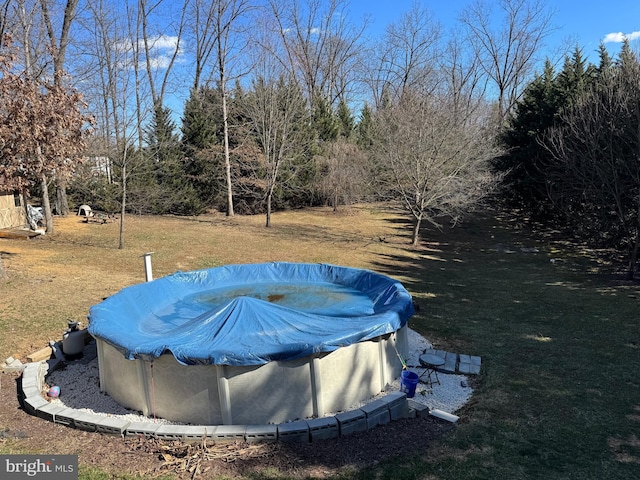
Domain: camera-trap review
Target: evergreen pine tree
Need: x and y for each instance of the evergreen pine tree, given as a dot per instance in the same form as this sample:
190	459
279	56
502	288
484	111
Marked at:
202	120
526	161
626	55
574	79
161	140
325	123
364	129
347	123
605	65
202	134
173	192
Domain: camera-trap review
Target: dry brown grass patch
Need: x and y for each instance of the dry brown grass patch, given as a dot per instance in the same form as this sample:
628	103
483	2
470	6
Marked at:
58	277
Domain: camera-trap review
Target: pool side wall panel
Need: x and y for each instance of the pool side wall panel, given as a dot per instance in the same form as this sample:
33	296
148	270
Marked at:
273	393
120	378
189	393
349	375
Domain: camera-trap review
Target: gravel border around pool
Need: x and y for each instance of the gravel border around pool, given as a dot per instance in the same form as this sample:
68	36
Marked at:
115	420
379	412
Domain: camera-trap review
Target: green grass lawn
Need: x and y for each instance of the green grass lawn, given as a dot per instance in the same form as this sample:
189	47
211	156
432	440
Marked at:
559	392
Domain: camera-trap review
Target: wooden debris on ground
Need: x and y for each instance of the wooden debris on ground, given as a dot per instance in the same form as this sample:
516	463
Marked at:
181	457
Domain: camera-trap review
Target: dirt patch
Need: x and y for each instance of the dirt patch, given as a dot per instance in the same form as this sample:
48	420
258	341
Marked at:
21	432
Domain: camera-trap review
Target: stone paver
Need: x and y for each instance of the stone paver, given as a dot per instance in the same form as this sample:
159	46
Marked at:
454	363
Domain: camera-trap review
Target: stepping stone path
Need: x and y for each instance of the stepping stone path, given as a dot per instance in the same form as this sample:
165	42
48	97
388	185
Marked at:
455	363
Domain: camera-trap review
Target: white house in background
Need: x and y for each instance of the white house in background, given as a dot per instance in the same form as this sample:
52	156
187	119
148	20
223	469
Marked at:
100	166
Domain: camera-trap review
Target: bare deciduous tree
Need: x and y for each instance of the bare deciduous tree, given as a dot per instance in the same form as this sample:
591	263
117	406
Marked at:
4	20
202	34
320	44
345	173
405	56
159	69
58	44
115	71
439	164
27	36
218	30
228	14
507	47
461	78
58	50
276	111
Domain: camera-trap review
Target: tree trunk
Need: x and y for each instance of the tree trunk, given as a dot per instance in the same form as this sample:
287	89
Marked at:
415	237
268	222
633	259
62	205
45	203
227	156
123	206
222	58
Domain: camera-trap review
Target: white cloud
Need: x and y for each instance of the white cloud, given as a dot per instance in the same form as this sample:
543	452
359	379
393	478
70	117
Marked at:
163	61
613	37
312	30
619	37
633	35
161	49
163	42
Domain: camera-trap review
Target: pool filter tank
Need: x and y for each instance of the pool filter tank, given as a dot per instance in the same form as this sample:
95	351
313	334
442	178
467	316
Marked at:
73	340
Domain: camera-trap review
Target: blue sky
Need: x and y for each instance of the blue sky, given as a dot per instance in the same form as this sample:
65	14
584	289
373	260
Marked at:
585	22
576	22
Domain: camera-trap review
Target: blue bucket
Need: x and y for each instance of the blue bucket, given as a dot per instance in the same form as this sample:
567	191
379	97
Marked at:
408	383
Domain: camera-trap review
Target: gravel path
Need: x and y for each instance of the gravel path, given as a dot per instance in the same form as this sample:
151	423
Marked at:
79	387
452	392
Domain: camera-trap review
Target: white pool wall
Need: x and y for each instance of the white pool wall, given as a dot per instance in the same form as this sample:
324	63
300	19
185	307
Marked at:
276	392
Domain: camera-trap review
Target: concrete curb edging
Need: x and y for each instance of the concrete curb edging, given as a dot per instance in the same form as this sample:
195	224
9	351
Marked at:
379	412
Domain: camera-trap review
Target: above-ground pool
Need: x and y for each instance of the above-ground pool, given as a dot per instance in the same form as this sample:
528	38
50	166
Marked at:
252	344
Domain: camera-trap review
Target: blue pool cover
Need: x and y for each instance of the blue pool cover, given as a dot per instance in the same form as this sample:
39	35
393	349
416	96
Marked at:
251	314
